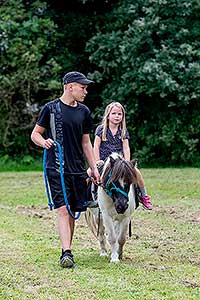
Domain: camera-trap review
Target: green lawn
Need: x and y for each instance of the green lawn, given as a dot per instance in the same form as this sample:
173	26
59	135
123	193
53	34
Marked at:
161	259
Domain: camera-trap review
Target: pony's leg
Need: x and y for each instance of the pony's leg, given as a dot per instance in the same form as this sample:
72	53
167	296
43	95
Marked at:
101	236
108	222
123	228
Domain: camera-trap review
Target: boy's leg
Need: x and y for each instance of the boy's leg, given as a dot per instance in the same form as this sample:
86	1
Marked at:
65	228
65	222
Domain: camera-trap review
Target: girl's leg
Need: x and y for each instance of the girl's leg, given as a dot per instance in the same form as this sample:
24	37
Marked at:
145	199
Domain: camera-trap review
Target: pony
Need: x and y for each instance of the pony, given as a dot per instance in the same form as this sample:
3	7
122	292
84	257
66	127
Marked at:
117	201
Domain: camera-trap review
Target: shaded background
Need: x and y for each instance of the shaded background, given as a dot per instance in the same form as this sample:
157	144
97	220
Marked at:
144	54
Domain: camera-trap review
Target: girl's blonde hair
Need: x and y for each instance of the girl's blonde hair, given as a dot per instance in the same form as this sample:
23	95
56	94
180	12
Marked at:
105	120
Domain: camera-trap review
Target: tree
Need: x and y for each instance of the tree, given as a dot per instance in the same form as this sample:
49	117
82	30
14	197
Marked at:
39	44
147	55
27	39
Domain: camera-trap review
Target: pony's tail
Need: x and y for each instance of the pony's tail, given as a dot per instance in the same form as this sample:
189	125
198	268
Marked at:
91	222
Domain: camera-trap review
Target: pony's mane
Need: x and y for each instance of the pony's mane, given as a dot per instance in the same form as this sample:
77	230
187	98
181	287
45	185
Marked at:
118	168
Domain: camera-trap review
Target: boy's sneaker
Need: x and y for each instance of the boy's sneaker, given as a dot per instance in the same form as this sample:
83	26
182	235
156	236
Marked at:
146	202
66	260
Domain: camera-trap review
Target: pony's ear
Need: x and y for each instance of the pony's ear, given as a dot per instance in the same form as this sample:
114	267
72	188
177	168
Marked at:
134	162
112	161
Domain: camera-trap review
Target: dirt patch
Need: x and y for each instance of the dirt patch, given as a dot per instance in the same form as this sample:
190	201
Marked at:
43	212
177	212
33	211
191	284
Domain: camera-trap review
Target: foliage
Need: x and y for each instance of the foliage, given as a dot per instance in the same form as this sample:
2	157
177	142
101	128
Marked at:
144	54
39	43
27	37
22	163
147	55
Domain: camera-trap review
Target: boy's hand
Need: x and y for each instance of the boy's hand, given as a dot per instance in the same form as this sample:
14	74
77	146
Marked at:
95	175
48	144
99	163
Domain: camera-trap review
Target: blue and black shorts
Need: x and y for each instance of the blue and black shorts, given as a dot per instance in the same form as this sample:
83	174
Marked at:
76	190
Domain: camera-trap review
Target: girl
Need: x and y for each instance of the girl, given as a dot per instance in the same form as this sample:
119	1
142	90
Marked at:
112	136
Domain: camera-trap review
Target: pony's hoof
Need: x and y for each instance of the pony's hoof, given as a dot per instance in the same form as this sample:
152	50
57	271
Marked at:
103	253
115	260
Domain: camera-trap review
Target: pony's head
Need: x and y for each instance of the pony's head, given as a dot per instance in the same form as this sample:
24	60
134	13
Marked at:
117	177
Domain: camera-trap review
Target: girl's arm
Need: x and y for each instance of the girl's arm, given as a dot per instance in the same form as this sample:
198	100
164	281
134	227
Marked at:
97	143
126	149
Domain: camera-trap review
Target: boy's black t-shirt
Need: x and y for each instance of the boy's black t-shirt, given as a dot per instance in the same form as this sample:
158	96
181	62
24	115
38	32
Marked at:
76	121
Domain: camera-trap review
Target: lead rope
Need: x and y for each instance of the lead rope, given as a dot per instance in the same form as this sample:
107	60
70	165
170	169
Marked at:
50	203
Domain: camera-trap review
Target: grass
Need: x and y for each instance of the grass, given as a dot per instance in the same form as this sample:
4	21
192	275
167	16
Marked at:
161	259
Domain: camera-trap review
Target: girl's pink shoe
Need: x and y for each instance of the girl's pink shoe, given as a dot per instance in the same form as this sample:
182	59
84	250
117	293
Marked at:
146	202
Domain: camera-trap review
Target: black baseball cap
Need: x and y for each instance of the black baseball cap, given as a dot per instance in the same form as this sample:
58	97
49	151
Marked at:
76	77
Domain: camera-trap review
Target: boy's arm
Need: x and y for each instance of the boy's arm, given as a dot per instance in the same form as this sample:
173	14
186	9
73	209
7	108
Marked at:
89	154
37	138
